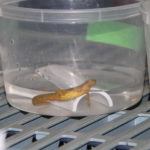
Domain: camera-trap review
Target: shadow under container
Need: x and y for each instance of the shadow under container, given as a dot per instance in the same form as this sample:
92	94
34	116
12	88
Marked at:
72	62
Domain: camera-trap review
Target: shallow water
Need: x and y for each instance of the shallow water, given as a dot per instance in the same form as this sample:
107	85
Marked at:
123	86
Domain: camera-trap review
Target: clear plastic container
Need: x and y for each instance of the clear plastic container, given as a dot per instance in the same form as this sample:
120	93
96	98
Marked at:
146	15
72	61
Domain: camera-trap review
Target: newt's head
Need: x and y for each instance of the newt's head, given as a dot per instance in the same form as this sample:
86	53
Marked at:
91	82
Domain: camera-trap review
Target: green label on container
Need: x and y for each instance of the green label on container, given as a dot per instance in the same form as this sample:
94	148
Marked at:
116	33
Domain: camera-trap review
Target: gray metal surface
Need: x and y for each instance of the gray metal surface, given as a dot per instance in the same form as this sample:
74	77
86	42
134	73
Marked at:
124	130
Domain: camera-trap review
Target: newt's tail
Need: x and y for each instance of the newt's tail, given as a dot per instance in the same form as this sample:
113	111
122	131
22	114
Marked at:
40	100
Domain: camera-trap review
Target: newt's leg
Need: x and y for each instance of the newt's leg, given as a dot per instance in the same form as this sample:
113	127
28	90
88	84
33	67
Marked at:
88	99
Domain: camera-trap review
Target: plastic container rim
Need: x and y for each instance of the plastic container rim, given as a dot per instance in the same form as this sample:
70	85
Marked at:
145	11
28	14
143	6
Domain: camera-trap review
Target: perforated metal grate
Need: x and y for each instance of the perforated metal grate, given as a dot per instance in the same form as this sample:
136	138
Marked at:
125	130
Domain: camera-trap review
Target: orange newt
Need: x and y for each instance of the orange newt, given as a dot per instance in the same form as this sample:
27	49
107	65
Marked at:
65	95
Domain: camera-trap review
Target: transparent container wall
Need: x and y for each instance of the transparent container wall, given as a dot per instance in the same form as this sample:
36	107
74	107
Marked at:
146	16
73	68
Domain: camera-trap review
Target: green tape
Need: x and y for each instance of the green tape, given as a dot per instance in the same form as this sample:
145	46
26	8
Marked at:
116	33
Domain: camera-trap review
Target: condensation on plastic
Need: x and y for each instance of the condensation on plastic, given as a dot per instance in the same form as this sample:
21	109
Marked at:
9	10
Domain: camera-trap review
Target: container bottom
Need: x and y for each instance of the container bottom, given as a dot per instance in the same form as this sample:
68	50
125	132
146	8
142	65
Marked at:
123	91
